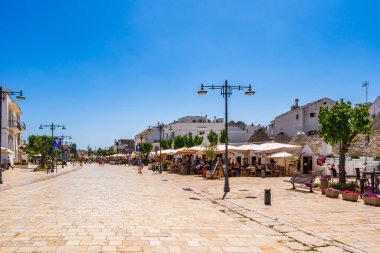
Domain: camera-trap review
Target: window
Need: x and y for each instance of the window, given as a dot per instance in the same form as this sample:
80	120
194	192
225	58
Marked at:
201	132
312	115
190	134
297	116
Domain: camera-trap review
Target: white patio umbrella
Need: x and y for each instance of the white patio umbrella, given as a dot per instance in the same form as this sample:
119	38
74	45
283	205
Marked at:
248	147
220	149
6	150
119	155
274	147
168	151
282	155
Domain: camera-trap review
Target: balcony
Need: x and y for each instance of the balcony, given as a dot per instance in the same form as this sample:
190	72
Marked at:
15	126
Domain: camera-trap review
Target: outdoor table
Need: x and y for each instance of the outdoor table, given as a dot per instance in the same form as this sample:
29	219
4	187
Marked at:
372	174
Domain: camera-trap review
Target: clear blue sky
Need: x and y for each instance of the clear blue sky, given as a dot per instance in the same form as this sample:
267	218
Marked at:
108	69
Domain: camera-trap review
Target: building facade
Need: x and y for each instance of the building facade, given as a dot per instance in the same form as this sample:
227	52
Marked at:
299	118
12	128
239	132
374	108
122	145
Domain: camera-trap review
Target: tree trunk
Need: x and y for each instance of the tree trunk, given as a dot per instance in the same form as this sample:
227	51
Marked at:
342	164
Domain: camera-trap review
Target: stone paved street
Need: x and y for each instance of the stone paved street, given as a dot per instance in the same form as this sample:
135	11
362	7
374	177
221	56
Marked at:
18	177
114	209
348	225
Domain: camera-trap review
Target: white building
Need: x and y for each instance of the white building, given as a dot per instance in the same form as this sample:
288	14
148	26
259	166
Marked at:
12	128
299	118
239	132
374	108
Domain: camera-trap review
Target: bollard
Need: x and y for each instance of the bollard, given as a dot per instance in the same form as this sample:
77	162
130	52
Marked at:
267	198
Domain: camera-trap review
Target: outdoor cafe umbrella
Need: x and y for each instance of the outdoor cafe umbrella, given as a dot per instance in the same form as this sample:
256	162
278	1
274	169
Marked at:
274	147
220	149
6	150
285	156
119	155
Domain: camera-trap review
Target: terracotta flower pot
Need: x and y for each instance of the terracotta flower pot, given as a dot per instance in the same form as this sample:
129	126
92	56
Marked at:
332	194
350	197
371	201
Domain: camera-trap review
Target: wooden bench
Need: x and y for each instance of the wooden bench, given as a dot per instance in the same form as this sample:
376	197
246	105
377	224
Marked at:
305	179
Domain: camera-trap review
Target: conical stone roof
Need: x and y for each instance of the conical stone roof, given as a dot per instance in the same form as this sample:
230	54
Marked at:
301	139
282	138
259	136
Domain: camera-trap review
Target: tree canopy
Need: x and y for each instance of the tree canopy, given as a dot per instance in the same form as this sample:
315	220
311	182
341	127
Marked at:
223	136
213	138
147	147
341	124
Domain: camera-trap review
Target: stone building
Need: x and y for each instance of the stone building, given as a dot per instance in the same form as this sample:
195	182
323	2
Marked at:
299	118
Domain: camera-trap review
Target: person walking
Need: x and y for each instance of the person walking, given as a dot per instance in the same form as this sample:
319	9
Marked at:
9	165
188	165
139	166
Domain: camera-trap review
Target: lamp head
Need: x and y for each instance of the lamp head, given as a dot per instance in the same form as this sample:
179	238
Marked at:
20	97
250	92
41	127
202	91
63	128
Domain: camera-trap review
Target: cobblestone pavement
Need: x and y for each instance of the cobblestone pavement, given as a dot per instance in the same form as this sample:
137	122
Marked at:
302	220
114	209
19	177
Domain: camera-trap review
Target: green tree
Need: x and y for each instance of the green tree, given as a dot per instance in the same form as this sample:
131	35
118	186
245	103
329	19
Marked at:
223	136
166	144
189	141
179	142
198	140
147	147
340	125
39	144
212	138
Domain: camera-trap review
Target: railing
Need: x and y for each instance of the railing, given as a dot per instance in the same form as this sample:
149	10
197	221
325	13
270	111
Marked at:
15	124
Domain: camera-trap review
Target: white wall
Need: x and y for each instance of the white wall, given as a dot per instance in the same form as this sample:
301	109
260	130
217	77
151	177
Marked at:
374	109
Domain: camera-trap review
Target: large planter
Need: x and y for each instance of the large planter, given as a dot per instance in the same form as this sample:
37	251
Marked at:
371	201
324	183
350	197
332	194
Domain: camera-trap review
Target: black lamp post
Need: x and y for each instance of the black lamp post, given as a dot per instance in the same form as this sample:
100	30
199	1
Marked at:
226	92
52	128
160	127
63	148
366	86
3	94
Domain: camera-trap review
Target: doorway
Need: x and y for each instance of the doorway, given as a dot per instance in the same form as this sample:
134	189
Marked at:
307	167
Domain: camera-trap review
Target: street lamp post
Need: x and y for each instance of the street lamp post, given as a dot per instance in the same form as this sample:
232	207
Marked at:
52	128
226	92
63	148
3	94
366	85
160	127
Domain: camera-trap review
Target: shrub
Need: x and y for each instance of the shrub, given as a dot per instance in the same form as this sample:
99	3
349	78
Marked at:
351	186
166	164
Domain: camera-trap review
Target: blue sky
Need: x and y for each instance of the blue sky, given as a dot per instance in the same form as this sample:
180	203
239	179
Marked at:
108	69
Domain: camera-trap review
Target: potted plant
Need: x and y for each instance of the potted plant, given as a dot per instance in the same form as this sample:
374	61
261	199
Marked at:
332	193
371	199
350	195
